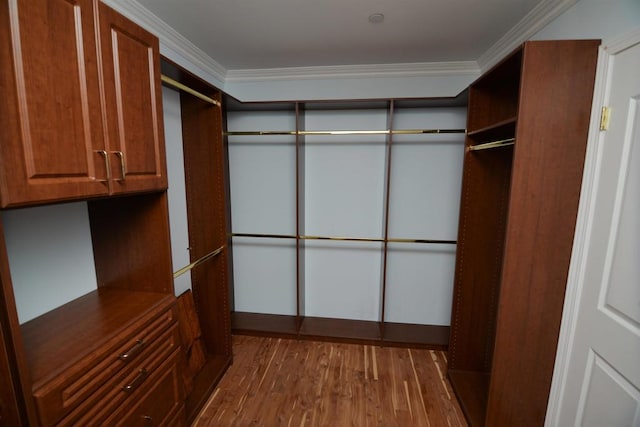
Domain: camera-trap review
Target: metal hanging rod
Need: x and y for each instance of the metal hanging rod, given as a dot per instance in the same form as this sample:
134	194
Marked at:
349	239
180	86
198	262
378	239
270	236
341	238
443	242
346	132
493	144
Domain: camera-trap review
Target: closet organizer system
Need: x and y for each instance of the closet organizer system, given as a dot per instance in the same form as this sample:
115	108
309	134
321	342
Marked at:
89	130
344	217
207	349
517	218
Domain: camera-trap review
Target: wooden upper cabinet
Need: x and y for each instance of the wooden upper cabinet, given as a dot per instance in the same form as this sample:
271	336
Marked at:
51	129
75	121
131	75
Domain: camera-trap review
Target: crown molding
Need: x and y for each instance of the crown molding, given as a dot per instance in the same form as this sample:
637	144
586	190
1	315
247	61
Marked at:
422	69
177	44
534	21
169	38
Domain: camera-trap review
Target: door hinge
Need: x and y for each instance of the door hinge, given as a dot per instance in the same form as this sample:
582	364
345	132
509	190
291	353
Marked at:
605	117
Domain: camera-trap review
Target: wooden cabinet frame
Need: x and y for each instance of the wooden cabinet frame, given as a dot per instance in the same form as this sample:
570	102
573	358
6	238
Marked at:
517	219
81	114
207	193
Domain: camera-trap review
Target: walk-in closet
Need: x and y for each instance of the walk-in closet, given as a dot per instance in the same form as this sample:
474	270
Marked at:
310	213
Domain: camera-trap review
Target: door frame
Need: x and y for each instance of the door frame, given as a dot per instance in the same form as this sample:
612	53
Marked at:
584	224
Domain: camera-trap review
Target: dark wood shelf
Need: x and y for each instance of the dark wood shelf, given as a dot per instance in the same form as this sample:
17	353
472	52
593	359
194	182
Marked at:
418	336
264	324
472	389
499	130
341	330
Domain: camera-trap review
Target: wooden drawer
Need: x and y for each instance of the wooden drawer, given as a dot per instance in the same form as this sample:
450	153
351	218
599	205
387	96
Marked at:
87	381
124	389
160	403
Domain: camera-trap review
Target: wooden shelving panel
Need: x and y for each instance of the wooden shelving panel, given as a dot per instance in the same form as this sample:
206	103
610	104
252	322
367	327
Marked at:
517	219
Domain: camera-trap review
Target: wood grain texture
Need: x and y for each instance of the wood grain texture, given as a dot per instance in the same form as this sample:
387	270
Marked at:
191	337
555	105
517	219
207	210
280	382
133	103
50	115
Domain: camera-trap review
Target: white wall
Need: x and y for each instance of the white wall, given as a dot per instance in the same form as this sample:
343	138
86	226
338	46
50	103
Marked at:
178	223
344	179
586	19
50	256
354	87
262	181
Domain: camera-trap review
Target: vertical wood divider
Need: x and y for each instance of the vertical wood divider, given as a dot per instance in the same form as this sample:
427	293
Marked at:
300	215
385	218
227	201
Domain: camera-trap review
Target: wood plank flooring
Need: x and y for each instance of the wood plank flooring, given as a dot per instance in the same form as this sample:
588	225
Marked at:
281	382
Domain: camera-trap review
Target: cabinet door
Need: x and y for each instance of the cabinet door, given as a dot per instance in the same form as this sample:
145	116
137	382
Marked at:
131	74
50	117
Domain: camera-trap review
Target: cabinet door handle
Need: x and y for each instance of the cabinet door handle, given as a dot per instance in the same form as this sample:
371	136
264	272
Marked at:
142	375
123	167
133	352
106	164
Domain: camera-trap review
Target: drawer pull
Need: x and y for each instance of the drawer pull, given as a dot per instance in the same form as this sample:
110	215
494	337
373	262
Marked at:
142	375
106	164
123	168
147	419
137	348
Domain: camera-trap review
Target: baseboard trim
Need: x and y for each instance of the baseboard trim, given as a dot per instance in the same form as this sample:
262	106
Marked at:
432	337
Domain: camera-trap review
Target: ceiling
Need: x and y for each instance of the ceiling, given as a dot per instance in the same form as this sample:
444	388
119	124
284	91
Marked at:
266	34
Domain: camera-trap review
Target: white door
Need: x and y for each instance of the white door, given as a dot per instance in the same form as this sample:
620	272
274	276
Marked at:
597	377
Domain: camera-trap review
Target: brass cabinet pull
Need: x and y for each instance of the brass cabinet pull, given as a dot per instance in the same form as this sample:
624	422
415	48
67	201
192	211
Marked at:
123	168
137	348
147	419
106	164
142	375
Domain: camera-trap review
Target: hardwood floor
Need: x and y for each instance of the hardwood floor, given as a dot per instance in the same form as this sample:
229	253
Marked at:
281	382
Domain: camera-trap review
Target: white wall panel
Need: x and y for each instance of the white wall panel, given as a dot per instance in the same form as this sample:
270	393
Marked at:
263	188
262	173
343	280
426	177
50	256
177	195
264	273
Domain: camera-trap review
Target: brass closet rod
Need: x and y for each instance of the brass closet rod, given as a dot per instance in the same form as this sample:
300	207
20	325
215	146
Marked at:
198	262
348	239
346	132
180	86
493	144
